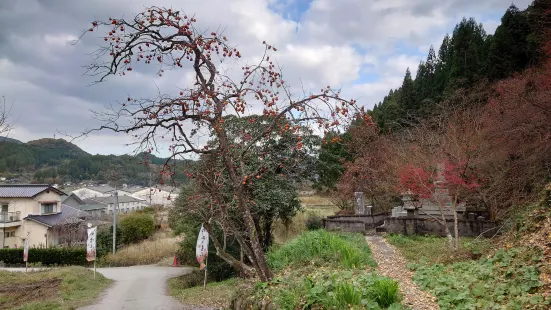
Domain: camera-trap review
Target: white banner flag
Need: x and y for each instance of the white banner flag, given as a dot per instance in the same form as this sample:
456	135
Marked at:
202	247
91	244
26	249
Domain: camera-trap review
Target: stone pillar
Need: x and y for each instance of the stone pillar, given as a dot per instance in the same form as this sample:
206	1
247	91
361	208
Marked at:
368	210
410	226
359	203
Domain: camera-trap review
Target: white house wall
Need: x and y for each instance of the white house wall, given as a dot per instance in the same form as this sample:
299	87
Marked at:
157	198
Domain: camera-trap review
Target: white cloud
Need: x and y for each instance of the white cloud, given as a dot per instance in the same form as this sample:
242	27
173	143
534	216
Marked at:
337	43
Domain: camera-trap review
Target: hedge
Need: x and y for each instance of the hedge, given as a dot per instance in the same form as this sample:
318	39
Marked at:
47	257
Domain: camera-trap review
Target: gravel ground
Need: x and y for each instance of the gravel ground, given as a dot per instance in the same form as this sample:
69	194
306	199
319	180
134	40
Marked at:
393	265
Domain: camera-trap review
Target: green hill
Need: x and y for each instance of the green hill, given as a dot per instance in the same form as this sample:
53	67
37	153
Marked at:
9	140
59	161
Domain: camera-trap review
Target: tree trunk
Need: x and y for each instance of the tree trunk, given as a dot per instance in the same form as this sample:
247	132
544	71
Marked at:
455	224
258	258
267	234
240	266
447	229
247	250
264	273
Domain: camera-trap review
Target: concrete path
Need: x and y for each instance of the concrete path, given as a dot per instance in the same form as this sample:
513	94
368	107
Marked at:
139	287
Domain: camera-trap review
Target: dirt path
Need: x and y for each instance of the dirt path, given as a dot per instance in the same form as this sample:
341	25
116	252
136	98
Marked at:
393	265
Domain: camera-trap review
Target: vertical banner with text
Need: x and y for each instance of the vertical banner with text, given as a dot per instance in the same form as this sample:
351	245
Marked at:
202	247
26	250
91	244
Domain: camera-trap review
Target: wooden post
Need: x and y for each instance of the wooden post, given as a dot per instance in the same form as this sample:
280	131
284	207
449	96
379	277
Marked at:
26	266
206	266
94	269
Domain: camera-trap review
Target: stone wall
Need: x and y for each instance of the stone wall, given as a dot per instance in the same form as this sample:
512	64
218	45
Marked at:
354	223
420	226
347	226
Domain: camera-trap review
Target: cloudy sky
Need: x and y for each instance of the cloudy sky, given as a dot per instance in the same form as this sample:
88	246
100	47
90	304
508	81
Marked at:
363	46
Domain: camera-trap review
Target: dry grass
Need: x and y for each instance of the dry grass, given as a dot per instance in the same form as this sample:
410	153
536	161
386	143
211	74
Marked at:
150	251
60	288
315	200
313	205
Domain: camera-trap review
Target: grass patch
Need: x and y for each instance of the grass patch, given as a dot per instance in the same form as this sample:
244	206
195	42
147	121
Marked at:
188	289
146	252
63	288
321	270
312	206
509	279
436	249
315	200
347	250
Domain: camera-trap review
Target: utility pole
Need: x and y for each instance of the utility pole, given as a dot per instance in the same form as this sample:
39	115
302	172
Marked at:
115	209
150	175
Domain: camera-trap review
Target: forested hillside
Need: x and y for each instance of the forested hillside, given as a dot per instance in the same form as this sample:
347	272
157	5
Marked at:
466	58
479	106
58	161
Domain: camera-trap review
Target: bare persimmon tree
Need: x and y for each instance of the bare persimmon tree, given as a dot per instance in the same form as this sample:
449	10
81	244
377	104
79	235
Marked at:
169	39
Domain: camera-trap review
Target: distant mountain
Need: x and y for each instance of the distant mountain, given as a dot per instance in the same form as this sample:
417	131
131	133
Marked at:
58	161
9	140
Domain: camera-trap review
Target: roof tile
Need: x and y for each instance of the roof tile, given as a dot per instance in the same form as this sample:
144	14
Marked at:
23	190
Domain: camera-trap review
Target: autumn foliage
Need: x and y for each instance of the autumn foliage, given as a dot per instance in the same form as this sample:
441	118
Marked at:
495	155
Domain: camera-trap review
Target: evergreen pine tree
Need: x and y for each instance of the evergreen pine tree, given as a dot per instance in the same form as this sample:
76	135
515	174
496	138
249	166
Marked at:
443	68
508	51
468	59
406	101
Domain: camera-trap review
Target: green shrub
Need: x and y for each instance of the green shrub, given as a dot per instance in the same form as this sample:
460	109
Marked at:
149	210
348	250
136	227
104	241
314	222
46	257
347	294
385	292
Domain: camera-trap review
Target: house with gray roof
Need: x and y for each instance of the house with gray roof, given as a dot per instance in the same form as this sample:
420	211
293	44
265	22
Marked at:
125	203
32	211
94	191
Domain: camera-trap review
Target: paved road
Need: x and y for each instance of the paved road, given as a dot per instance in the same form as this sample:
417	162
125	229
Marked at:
138	287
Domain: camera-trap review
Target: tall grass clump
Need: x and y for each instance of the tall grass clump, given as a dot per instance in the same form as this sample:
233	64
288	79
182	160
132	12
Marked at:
385	292
147	252
322	246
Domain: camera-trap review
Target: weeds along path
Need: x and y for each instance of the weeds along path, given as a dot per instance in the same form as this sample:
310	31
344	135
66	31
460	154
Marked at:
392	264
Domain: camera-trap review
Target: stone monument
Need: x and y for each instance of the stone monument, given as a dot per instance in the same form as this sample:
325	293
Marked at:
359	203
